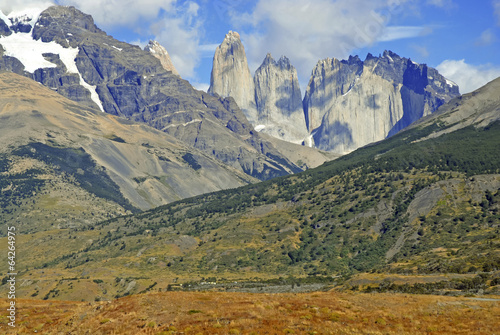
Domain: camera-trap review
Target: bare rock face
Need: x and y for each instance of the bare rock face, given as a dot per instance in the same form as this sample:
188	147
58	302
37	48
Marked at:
279	101
271	101
161	53
4	28
231	76
351	103
94	69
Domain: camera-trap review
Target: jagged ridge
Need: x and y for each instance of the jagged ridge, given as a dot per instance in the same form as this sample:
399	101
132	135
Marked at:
347	104
271	100
351	103
124	80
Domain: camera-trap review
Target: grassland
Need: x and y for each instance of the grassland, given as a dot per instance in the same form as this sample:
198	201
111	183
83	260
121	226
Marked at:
244	313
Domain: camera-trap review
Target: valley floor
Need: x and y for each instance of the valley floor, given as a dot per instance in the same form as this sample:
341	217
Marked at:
245	313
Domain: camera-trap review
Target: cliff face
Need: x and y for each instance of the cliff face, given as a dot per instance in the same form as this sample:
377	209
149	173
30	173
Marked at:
231	76
84	64
161	53
279	101
351	103
347	104
271	100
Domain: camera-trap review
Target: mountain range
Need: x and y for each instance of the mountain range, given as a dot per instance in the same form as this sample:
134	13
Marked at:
49	140
81	62
347	103
424	203
122	178
72	56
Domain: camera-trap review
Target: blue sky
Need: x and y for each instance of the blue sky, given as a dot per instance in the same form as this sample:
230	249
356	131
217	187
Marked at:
459	37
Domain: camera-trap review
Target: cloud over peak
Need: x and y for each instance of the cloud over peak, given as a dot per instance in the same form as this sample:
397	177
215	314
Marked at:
308	31
110	13
468	77
174	24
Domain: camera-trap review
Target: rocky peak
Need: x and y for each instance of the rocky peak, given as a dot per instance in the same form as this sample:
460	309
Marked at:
278	100
231	76
51	23
271	100
391	56
284	63
352	103
344	73
232	37
21	24
353	60
19	21
369	56
268	60
415	77
157	50
67	15
233	46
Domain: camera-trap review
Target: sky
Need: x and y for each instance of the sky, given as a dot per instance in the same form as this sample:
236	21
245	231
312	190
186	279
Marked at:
458	37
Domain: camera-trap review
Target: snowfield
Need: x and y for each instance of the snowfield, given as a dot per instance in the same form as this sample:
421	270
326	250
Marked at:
30	52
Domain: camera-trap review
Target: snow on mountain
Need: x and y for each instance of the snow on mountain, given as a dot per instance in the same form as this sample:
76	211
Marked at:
28	15
31	52
450	83
4	17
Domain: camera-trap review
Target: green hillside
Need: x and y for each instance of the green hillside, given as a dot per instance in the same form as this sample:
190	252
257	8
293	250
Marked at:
401	206
381	204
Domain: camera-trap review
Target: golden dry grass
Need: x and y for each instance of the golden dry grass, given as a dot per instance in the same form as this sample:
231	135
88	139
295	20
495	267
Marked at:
245	313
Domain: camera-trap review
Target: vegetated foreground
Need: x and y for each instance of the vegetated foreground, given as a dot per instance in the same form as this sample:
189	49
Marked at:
246	313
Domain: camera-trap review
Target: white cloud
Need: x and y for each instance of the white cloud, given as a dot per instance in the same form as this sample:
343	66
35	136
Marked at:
421	50
192	9
400	32
109	13
200	86
7	6
208	50
440	3
141	43
209	47
487	37
468	77
308	31
179	32
496	6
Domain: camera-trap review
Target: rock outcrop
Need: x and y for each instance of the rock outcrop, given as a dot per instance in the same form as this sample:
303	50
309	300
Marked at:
271	100
351	103
279	101
161	53
98	71
231	76
17	23
347	104
4	28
